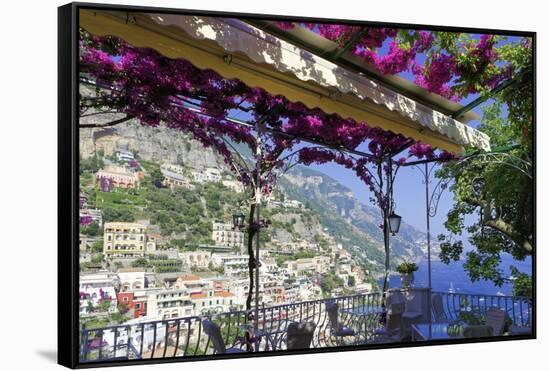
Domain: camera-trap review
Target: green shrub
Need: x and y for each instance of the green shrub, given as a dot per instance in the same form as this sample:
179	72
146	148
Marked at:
406	268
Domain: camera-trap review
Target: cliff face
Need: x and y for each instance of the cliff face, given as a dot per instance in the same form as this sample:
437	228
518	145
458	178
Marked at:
151	144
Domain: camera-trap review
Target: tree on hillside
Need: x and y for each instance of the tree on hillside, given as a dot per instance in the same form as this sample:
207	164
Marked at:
157	177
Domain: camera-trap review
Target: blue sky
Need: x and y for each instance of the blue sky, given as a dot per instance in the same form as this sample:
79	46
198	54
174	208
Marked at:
409	191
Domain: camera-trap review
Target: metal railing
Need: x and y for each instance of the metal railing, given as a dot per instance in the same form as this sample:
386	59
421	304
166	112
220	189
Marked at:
184	337
518	309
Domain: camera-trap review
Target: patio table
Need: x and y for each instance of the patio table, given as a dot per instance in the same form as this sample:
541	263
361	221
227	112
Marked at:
365	317
421	332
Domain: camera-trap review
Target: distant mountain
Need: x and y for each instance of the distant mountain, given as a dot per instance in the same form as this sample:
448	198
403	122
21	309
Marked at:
352	223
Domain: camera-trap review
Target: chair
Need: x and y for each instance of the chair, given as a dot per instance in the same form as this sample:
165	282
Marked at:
438	310
337	329
393	331
415	309
496	318
299	335
479	331
213	330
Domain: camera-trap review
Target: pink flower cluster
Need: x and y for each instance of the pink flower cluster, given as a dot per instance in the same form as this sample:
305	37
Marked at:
105	184
133	164
437	76
439	73
86	220
283	25
421	150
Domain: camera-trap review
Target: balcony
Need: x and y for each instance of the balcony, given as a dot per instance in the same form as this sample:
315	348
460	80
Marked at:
362	316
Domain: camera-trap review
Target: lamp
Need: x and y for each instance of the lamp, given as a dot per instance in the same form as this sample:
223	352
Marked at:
395	223
238	221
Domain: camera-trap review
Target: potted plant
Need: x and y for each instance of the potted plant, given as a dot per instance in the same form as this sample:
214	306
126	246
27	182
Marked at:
407	269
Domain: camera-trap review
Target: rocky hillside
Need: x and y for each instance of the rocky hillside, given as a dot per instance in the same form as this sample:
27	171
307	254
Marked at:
349	221
150	144
331	207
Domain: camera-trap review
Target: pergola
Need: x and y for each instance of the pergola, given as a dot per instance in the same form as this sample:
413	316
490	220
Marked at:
303	67
237	49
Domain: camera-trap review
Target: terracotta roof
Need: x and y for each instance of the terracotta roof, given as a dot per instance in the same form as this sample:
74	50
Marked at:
198	295
189	277
224	294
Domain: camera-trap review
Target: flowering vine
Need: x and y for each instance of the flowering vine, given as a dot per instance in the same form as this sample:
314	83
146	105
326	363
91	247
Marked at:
153	89
452	65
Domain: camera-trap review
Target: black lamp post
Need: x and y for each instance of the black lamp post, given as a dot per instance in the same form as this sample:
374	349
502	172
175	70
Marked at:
238	221
395	223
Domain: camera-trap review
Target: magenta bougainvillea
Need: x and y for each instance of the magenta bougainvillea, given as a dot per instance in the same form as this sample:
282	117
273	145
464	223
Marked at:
133	164
86	220
452	65
105	184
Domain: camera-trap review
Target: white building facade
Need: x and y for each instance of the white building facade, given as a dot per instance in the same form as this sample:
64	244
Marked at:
223	234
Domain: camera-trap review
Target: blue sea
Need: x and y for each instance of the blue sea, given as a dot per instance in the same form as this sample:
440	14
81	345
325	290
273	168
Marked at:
445	277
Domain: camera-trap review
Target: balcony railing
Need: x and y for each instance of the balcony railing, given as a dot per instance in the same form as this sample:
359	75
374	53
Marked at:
184	337
519	309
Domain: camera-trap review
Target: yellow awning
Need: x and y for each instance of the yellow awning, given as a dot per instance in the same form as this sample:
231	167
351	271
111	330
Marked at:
235	49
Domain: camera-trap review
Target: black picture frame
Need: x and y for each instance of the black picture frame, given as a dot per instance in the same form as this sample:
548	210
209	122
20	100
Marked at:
68	183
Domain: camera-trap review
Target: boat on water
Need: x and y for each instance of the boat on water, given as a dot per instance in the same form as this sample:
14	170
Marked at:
500	293
452	289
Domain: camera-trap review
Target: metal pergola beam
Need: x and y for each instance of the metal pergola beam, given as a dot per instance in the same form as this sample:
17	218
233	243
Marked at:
288	135
351	42
409	143
503	149
419	162
476	102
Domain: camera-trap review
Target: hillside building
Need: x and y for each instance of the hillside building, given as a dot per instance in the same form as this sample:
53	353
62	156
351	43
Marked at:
223	234
119	177
124	239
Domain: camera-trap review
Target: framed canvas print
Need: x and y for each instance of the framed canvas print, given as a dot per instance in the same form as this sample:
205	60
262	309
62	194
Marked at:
240	185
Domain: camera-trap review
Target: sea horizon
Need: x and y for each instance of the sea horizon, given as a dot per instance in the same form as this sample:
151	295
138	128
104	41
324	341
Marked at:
452	277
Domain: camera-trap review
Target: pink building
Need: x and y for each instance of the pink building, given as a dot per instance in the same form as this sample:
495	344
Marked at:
119	177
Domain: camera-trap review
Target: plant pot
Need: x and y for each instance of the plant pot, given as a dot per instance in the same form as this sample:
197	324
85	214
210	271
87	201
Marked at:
407	280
